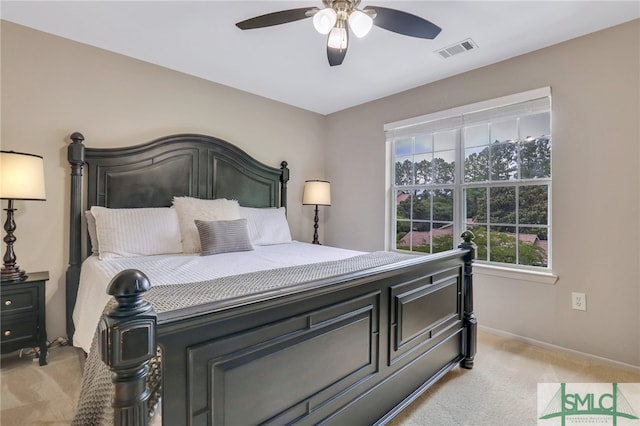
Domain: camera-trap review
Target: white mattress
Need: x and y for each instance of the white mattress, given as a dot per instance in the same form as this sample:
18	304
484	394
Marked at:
184	268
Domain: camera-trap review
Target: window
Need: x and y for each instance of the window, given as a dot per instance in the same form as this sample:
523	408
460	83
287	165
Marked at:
484	167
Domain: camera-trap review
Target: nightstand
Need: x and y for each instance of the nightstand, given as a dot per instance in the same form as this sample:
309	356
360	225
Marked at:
22	311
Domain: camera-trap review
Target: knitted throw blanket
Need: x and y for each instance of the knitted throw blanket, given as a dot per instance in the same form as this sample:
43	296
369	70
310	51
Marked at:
94	405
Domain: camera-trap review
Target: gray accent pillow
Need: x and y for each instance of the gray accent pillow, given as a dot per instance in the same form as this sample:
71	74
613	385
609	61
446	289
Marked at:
223	236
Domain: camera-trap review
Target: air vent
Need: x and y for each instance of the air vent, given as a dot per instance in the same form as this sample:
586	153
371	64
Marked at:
463	46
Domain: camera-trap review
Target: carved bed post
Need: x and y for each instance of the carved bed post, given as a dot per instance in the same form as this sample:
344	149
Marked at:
75	156
127	343
284	178
470	321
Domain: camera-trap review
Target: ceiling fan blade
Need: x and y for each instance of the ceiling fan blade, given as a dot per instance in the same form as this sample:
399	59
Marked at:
336	56
403	22
277	18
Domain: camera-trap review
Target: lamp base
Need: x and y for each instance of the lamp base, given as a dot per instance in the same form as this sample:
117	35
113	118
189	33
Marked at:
10	271
12	274
315	228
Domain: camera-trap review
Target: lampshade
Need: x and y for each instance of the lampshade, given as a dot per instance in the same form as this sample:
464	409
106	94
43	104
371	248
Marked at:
324	20
21	176
360	23
317	192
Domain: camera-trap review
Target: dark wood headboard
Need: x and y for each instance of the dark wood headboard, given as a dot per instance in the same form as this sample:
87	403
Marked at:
151	174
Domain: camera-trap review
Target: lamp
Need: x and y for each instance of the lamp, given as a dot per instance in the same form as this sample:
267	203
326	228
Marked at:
338	37
21	178
324	20
316	192
331	20
360	23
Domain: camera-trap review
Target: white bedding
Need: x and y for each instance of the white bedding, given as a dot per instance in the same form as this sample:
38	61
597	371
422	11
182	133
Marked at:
183	268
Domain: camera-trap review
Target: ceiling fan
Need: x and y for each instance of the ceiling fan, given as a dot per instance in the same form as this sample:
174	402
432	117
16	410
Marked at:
339	16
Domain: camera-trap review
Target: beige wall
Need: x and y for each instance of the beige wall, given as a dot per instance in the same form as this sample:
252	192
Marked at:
52	87
595	82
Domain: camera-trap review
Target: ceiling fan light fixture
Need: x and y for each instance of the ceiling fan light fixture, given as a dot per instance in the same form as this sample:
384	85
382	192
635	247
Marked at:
338	37
324	20
360	23
340	17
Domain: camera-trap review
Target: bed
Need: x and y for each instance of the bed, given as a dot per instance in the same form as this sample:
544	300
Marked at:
354	341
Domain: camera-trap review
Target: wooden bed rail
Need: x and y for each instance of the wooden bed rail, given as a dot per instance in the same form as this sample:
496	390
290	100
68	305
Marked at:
128	337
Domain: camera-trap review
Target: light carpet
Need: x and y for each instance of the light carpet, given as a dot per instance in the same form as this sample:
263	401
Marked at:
34	395
502	387
500	390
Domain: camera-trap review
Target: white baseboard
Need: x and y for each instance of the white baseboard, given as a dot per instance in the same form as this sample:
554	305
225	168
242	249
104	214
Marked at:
583	355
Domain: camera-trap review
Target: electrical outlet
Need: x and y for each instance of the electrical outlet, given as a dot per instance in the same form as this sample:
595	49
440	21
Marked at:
579	301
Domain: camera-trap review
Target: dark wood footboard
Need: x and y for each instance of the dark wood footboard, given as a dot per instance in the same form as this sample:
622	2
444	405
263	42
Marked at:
352	350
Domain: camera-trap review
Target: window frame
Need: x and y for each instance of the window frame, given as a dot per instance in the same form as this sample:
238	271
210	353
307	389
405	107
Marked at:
409	127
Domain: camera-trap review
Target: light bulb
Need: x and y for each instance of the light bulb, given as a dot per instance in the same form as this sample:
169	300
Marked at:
338	38
324	20
360	23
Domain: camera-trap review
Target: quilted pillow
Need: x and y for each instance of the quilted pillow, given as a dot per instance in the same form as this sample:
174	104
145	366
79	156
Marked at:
223	236
191	209
136	232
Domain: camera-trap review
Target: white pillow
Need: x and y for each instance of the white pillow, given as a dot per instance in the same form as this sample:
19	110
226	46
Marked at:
91	229
189	209
136	232
267	226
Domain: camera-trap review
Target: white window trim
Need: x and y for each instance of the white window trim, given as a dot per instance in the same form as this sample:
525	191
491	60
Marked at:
548	278
475	107
515	272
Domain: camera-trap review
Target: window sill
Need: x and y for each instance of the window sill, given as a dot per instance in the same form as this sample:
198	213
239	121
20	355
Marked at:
547	278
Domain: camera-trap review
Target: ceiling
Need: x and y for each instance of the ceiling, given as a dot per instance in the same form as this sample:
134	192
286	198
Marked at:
288	62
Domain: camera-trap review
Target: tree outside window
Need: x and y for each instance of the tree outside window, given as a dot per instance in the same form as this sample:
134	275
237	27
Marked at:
502	185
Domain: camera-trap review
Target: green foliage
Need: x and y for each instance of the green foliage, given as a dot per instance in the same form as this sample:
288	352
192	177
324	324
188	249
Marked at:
403	209
500	161
533	202
440	244
404	172
503	248
425	172
535	158
476	167
503	204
